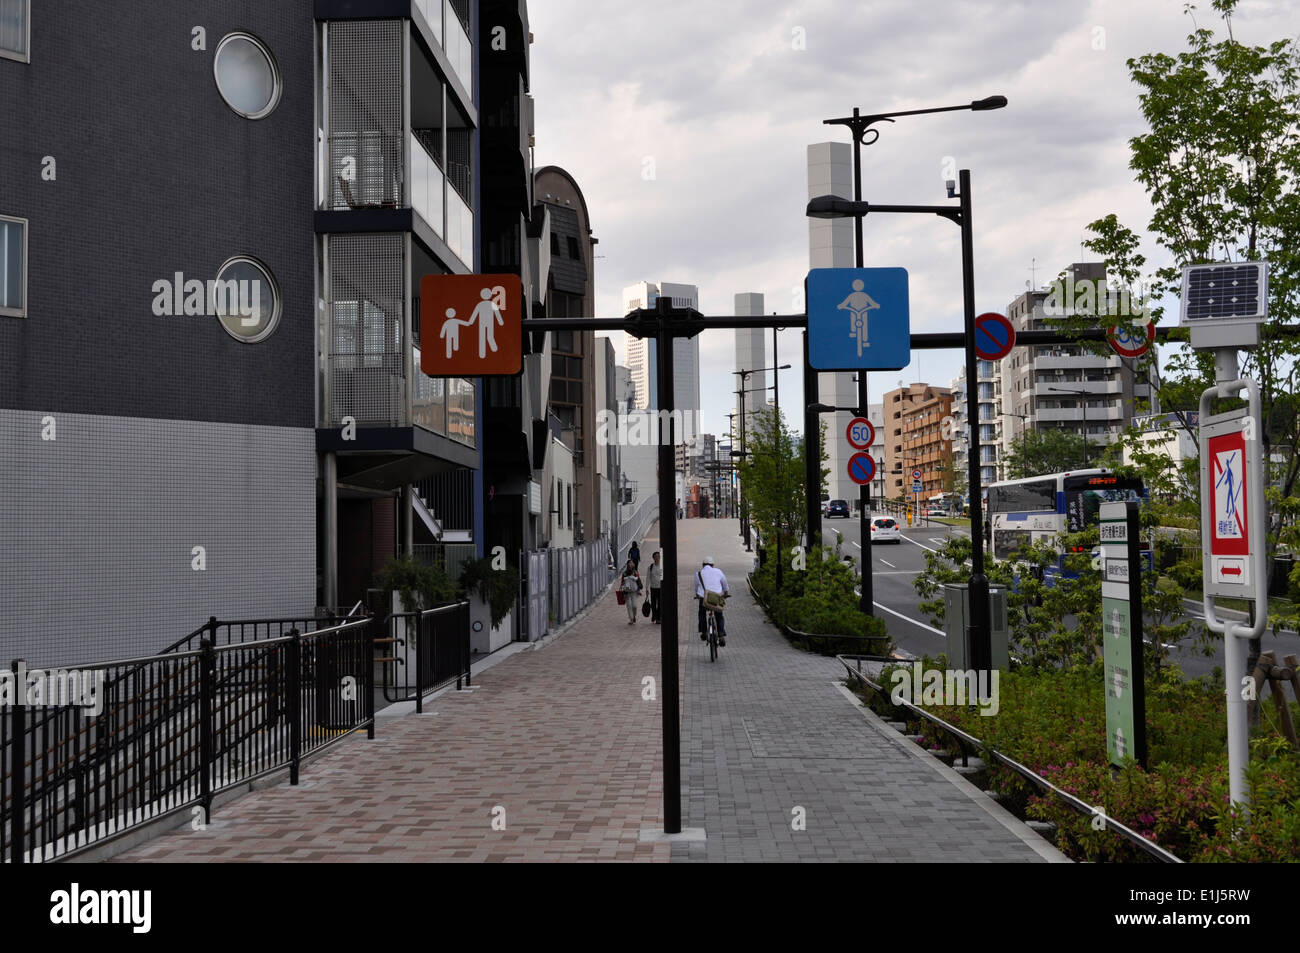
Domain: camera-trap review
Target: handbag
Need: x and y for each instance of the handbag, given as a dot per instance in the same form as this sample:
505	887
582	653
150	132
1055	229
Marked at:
620	596
645	609
714	600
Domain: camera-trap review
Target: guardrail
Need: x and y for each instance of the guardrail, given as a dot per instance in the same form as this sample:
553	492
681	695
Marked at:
969	743
428	649
634	527
133	741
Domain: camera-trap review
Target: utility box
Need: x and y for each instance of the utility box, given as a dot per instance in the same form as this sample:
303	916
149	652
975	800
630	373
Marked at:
957	614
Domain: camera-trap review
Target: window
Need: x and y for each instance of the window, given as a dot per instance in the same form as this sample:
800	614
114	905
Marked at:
246	75
573	249
16	30
555	244
13	266
247	302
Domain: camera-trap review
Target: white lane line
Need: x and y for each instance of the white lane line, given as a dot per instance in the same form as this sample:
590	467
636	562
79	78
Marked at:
934	540
855	543
922	545
889	564
928	628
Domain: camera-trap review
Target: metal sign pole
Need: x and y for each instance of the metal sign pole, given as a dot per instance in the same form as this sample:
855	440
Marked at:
668	594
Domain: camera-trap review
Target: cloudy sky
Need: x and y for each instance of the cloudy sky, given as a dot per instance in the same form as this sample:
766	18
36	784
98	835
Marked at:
686	123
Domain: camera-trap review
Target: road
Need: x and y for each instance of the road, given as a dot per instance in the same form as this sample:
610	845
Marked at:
895	565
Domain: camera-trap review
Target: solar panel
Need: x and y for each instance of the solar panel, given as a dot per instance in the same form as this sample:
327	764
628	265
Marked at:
1225	292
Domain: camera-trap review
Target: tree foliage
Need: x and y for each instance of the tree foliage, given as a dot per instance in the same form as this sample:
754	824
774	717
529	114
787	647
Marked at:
1036	452
1220	162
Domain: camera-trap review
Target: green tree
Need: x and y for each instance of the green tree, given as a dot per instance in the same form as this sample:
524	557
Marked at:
1220	161
1035	452
772	478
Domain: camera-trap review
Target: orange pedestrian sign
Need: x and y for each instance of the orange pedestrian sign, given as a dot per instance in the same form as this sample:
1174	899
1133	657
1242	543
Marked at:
471	325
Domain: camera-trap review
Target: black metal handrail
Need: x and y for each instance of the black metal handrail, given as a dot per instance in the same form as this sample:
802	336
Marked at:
969	742
440	649
174	730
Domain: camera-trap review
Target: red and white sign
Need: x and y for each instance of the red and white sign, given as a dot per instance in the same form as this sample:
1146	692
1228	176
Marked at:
860	433
1132	341
471	325
1229	533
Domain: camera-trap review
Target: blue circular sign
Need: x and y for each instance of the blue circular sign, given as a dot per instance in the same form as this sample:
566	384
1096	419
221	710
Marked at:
994	336
862	469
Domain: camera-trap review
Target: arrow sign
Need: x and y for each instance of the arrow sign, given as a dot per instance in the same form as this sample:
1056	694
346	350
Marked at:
994	336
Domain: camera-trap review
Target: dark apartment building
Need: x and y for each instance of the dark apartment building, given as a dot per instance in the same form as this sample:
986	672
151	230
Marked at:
210	394
570	292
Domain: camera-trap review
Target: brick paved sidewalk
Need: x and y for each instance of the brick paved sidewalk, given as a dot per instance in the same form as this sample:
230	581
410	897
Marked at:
559	737
561	740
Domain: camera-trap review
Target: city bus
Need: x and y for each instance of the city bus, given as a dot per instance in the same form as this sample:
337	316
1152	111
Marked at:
1039	509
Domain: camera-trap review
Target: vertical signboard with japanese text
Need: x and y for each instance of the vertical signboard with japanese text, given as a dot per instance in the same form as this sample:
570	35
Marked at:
1121	626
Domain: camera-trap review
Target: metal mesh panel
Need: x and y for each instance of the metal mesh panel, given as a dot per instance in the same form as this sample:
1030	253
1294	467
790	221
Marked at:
367	370
365	114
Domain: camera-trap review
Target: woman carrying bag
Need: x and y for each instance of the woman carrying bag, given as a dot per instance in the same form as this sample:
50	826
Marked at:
629	586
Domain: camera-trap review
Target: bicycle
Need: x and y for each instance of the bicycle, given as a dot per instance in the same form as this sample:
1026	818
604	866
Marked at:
711	629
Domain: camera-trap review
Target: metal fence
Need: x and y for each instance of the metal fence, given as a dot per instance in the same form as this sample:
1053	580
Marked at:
424	650
560	583
635	526
120	744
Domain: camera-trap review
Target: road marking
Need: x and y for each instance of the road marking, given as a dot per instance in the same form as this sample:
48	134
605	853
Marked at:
855	543
939	541
929	628
889	564
922	545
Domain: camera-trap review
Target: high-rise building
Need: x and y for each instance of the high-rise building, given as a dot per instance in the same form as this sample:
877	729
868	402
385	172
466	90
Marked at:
1061	386
751	355
916	439
830	245
686	351
990	424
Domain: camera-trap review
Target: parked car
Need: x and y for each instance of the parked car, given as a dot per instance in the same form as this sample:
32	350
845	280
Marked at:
936	511
837	508
884	529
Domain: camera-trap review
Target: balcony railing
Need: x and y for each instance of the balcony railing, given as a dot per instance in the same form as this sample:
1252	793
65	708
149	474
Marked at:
428	186
365	171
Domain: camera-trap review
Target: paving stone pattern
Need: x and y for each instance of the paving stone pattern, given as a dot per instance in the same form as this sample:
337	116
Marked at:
562	740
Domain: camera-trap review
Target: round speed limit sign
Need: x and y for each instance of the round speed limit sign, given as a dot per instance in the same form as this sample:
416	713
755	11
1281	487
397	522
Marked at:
860	433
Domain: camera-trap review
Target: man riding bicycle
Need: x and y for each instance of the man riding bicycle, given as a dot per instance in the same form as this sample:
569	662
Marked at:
711	579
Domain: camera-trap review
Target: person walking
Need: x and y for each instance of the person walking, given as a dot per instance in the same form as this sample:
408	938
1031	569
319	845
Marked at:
631	587
634	555
655	579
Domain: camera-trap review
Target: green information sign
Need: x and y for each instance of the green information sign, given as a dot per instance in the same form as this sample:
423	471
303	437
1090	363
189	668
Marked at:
1121	626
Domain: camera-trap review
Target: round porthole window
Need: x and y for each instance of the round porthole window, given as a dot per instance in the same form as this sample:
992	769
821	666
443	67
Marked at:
246	74
246	299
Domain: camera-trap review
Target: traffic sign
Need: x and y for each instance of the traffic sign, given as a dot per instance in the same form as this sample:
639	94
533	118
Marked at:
858	319
860	433
471	325
916	488
1229	536
862	468
994	336
1132	341
916	475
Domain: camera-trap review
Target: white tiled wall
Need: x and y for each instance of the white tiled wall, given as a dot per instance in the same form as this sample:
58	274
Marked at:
98	527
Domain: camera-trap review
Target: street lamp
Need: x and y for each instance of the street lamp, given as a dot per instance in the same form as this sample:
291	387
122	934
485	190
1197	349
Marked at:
830	206
1084	394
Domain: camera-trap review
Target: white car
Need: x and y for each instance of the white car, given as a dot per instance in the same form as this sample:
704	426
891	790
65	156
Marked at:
885	530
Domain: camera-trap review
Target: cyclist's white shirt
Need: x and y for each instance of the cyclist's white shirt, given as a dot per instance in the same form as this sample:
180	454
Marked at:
712	579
